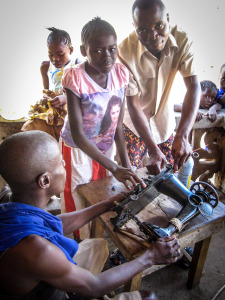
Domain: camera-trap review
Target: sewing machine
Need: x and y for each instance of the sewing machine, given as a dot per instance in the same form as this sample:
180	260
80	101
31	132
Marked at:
201	198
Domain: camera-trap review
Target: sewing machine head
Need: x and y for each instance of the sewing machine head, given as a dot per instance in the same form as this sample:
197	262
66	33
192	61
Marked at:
201	198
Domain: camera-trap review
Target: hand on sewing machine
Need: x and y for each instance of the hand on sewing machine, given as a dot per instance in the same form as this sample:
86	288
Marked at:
125	175
165	250
156	161
181	150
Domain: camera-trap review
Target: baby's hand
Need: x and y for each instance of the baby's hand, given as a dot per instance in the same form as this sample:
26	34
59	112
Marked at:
125	174
199	117
58	101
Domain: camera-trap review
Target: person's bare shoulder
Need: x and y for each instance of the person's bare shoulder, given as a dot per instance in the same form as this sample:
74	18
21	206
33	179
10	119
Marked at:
36	255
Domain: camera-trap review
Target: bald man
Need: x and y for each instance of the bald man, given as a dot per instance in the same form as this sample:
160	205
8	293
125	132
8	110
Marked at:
39	262
154	52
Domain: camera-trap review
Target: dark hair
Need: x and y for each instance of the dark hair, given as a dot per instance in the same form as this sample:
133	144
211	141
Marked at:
96	26
145	4
106	121
207	84
58	36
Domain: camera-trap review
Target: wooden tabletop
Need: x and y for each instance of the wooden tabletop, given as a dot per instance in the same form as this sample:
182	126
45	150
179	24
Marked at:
196	230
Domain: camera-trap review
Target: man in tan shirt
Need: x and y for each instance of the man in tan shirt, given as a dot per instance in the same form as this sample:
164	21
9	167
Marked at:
154	53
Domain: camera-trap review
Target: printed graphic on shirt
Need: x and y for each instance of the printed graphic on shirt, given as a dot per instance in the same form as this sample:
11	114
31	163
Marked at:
109	124
100	107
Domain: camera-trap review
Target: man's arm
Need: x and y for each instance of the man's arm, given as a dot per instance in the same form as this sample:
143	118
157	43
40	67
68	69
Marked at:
75	220
46	262
157	160
122	150
181	148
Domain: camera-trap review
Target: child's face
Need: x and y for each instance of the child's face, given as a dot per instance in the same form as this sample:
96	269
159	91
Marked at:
114	113
59	54
208	98
152	28
222	80
101	52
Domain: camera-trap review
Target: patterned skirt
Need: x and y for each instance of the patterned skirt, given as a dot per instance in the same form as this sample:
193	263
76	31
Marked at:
137	149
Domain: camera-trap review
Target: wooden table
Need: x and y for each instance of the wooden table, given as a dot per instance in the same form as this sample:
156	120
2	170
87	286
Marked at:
198	231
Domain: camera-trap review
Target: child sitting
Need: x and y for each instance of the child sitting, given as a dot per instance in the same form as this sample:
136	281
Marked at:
48	114
221	92
207	101
90	88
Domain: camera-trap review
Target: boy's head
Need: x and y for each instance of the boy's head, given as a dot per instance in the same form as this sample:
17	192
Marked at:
31	161
59	47
208	94
151	24
222	77
99	45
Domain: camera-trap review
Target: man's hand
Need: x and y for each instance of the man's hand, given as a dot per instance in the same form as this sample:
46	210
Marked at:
181	150
156	161
58	101
164	251
126	174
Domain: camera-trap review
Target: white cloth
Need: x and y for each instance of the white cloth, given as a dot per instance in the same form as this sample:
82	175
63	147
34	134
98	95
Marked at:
92	255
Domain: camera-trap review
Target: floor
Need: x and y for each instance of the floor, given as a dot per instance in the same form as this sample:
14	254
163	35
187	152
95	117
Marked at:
170	282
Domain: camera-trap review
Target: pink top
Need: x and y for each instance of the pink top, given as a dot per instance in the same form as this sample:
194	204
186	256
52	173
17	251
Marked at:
99	107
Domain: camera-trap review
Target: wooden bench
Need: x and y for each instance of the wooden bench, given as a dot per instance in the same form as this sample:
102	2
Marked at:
198	231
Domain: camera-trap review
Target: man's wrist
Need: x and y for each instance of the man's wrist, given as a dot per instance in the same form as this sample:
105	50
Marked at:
181	135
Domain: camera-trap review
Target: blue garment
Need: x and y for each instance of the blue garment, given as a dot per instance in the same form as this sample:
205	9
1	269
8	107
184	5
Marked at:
219	95
18	220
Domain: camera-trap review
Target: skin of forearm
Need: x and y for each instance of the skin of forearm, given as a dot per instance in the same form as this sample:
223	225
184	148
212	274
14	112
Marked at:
189	110
216	107
75	220
112	279
121	147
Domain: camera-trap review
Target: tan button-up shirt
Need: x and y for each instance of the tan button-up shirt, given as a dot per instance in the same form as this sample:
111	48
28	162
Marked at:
152	79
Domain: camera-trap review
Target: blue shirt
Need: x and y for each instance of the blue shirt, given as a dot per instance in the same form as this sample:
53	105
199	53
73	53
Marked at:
18	220
219	95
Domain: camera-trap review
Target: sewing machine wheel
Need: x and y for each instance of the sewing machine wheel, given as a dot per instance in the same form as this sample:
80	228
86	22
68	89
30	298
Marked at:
206	192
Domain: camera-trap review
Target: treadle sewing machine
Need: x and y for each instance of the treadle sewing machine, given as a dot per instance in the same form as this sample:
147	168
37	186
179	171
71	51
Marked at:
200	199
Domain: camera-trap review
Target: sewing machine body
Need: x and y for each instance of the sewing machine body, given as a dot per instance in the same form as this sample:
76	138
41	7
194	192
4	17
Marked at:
200	199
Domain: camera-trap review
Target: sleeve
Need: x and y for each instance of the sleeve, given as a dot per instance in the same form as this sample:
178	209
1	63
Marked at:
70	81
187	64
123	74
126	56
132	88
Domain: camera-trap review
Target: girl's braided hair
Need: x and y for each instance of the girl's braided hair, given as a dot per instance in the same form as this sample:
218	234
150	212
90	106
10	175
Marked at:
96	26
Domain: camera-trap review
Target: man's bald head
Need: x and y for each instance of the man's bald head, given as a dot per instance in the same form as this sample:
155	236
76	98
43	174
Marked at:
26	155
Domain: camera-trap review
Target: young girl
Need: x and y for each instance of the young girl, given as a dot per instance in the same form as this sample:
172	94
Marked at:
89	88
59	52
